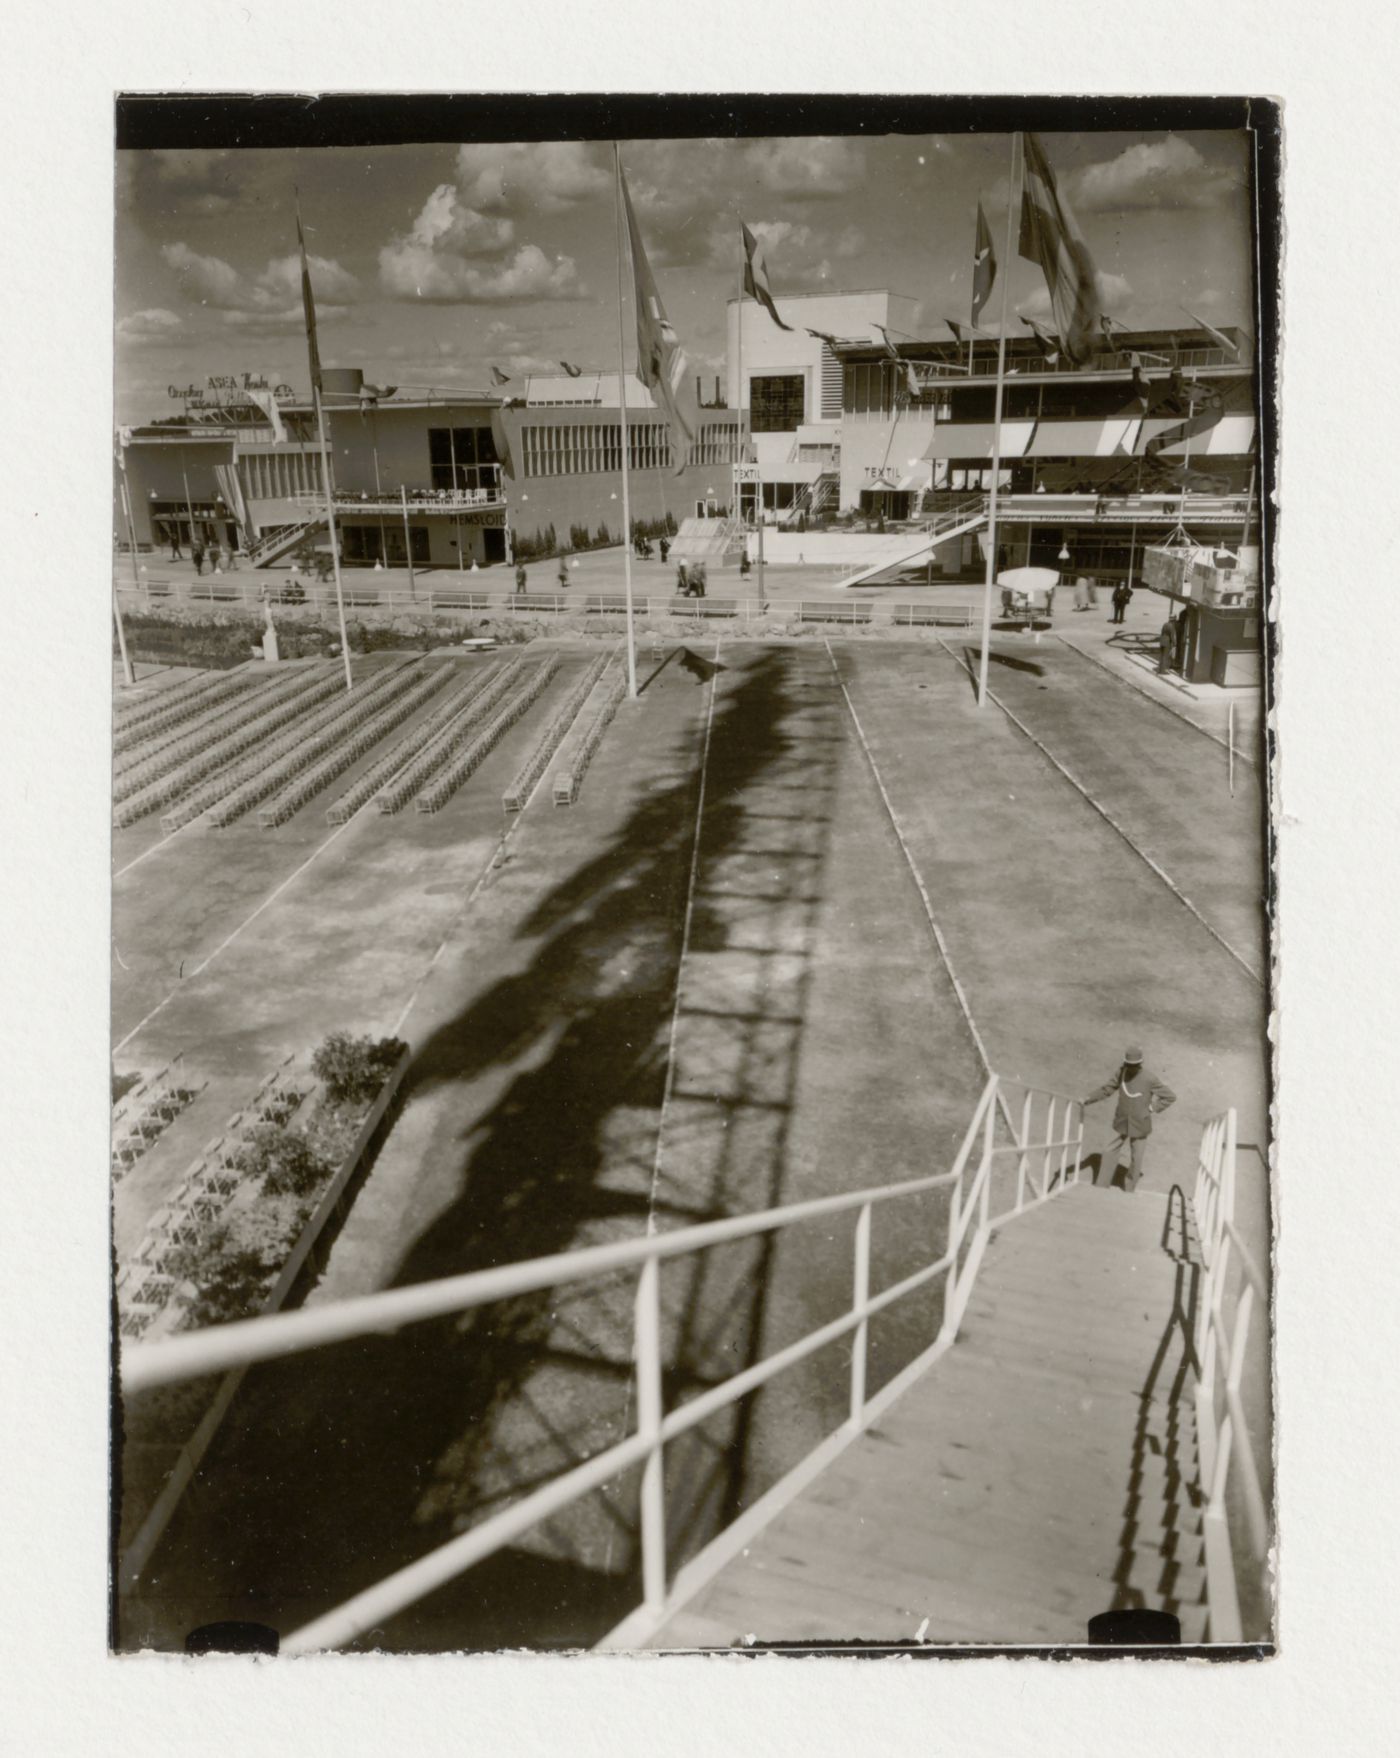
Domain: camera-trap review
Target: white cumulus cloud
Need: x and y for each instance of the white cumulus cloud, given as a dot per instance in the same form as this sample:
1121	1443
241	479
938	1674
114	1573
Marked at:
430	262
1168	173
153	324
273	294
538	176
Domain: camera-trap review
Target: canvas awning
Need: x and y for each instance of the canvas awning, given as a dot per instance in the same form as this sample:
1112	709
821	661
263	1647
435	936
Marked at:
973	439
1232	436
1085	439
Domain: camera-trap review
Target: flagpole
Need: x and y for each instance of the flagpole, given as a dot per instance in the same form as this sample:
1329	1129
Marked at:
335	540
408	543
622	417
128	675
996	432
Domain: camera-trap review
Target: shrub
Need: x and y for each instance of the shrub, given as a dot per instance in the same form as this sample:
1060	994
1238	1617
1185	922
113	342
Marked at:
284	1161
354	1069
230	1280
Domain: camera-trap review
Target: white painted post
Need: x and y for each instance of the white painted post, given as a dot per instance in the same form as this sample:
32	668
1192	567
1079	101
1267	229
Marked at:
1049	1137
860	1294
653	1494
1231	720
988	1135
1023	1158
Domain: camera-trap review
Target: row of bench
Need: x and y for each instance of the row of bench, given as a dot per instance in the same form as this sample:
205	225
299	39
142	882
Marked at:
347	751
534	766
367	785
192	732
191	695
144	1113
480	704
178	771
586	734
321	735
466	762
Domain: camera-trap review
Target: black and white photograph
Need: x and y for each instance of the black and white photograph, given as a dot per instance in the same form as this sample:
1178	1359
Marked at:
691	876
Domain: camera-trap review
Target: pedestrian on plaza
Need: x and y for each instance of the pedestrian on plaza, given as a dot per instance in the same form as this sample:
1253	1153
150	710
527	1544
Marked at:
1166	645
665	547
1140	1096
1081	593
197	556
520	576
1122	593
176	554
745	565
563	572
682	580
699	579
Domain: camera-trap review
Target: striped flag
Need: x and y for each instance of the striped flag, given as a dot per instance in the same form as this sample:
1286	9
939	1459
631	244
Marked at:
573	371
1221	341
984	266
1051	237
308	306
498	377
661	362
1048	340
756	282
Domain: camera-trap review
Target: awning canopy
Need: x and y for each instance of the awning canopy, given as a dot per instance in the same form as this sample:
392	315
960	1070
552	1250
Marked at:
1085	439
1232	435
973	439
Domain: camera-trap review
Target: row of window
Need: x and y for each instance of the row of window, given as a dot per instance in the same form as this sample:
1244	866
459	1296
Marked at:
455	453
595	447
269	476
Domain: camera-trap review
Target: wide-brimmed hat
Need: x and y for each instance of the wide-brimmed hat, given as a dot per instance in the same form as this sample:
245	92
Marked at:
1133	1053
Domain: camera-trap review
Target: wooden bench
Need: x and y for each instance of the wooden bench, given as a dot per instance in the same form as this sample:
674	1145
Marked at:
549	601
212	589
704	607
450	600
955	616
613	602
359	595
809	611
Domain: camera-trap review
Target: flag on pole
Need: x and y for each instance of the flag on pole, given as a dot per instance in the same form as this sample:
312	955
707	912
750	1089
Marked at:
308	306
890	348
498	377
832	342
573	371
661	362
1051	237
756	282
963	332
984	265
1221	341
1048	340
267	402
502	443
911	381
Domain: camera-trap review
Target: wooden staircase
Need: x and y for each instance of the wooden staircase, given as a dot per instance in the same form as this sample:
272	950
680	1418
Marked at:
1044	1470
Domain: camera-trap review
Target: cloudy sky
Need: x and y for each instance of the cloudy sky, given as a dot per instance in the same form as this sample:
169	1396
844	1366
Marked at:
432	262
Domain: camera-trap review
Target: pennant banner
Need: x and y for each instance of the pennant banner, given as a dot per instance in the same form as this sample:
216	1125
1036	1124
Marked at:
267	402
1051	237
1048	340
984	266
498	377
661	362
756	282
308	305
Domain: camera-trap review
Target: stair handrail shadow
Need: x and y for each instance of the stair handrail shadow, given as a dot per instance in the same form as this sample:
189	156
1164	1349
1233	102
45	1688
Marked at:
969	1225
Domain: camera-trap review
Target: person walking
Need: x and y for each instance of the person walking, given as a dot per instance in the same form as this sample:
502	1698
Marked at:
1166	645
1122	592
1081	593
682	580
520	577
665	547
1140	1096
563	571
197	556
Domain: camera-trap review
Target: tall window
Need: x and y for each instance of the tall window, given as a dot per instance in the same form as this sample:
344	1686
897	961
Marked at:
455	452
777	403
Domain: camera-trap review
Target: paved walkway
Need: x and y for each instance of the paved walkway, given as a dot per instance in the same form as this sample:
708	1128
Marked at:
1044	1470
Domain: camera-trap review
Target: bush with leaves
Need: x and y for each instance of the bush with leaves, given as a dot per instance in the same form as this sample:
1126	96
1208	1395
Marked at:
354	1069
283	1160
230	1279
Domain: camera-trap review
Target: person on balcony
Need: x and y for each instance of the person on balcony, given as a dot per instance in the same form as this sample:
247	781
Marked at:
1140	1095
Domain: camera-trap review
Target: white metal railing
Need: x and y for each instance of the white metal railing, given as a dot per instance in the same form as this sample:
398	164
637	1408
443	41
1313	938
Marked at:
1031	1168
488	493
1220	1344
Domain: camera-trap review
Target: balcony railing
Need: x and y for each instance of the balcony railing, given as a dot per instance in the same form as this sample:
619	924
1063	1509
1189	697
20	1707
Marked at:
419	500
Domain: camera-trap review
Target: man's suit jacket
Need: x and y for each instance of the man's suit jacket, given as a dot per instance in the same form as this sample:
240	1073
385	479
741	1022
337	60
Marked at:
1137	1099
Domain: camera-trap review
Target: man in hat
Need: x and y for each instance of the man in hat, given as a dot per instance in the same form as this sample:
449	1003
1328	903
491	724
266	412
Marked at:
1140	1096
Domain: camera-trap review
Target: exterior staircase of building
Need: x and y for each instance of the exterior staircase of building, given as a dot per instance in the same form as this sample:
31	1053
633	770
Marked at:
272	544
707	540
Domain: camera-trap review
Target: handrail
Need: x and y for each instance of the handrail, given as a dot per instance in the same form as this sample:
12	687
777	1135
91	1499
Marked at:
1220	1351
970	1222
